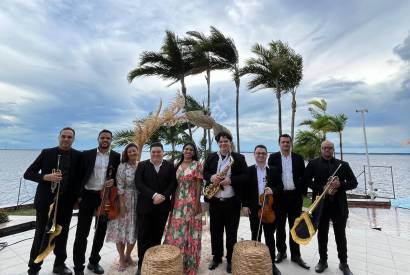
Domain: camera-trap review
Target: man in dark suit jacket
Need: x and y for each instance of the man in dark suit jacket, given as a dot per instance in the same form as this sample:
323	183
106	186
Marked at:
41	171
335	206
97	163
291	167
262	179
155	180
225	206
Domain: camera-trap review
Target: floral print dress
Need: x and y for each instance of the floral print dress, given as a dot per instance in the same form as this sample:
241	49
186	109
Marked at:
184	227
124	229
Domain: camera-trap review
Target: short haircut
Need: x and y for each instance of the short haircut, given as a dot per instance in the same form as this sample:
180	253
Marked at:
68	128
124	156
285	136
156	144
223	134
260	146
104	131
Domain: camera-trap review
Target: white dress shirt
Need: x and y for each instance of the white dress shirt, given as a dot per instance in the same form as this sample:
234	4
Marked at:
261	173
98	177
287	172
227	191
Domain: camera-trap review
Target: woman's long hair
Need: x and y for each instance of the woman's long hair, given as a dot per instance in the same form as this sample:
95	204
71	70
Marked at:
124	155
194	157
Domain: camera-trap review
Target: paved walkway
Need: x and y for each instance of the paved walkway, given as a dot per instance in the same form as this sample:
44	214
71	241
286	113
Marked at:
370	251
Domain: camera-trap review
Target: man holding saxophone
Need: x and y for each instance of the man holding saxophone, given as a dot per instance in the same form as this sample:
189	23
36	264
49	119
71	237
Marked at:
335	206
226	171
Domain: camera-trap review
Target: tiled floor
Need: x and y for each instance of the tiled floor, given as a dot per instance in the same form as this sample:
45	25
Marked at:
370	251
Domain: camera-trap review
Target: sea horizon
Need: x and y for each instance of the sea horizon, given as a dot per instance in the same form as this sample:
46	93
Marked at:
242	152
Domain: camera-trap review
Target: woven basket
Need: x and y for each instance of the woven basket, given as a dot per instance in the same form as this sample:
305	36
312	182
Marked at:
251	257
161	260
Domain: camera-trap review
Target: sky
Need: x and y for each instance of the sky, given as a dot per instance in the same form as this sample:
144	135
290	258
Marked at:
64	63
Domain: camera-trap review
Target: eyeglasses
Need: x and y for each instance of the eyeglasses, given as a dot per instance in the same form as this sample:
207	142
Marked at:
327	147
261	153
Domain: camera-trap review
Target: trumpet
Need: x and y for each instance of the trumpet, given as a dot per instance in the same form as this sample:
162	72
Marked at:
213	188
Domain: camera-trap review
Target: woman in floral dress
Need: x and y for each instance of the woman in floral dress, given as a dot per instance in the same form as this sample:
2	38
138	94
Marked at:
185	223
122	230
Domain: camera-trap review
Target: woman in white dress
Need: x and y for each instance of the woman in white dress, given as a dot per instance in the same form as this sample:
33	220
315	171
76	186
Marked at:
122	230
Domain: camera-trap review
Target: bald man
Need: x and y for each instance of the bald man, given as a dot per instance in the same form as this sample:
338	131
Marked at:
335	206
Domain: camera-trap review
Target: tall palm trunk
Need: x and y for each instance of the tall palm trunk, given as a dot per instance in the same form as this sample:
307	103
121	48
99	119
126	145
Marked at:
208	82
293	113
340	144
278	97
183	88
237	83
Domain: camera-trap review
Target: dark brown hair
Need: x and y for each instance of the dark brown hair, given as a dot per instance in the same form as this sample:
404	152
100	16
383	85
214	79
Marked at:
124	155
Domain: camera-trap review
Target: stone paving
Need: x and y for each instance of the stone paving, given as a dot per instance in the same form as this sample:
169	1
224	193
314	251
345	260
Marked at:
370	251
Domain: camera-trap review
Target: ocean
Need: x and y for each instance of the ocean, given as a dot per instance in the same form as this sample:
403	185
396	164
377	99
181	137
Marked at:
13	163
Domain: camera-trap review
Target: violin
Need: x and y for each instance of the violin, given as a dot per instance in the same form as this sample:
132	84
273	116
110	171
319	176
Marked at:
109	208
266	214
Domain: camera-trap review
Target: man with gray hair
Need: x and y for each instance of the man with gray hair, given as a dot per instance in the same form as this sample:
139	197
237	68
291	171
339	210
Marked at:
335	206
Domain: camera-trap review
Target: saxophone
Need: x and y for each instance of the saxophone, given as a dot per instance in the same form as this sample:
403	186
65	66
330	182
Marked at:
213	188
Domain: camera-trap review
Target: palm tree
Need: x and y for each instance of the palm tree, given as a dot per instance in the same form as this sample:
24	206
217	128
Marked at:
173	62
237	79
307	144
320	121
338	123
214	52
296	64
271	71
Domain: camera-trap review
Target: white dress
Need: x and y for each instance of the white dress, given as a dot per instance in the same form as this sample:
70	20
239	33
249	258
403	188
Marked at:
125	229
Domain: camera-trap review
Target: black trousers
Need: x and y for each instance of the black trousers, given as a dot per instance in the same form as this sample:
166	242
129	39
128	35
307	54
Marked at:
64	214
331	212
289	207
224	215
150	230
268	231
88	205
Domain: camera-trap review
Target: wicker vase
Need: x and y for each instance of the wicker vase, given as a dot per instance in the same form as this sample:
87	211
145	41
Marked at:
251	257
162	260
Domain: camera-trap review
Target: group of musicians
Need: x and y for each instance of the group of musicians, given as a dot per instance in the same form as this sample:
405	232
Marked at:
83	175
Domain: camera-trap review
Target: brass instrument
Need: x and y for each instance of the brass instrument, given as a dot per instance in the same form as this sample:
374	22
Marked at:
48	242
306	225
213	188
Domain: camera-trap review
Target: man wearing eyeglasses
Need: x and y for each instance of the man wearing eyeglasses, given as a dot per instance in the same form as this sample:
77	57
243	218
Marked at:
291	167
335	206
262	180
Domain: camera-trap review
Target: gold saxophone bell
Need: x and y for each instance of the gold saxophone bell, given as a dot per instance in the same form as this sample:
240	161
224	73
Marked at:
213	188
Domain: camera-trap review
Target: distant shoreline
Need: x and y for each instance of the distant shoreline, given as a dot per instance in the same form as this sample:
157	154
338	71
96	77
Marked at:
247	152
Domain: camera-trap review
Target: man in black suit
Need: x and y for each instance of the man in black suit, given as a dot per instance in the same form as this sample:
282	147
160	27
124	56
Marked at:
225	206
41	171
262	180
96	164
155	179
335	206
291	167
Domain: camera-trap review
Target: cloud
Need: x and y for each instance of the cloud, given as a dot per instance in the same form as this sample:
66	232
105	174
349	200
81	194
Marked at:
403	50
65	63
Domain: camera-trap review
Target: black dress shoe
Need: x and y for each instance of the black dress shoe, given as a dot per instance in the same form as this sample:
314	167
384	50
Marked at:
214	264
62	270
300	262
321	266
275	270
280	257
345	269
229	268
96	268
32	272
